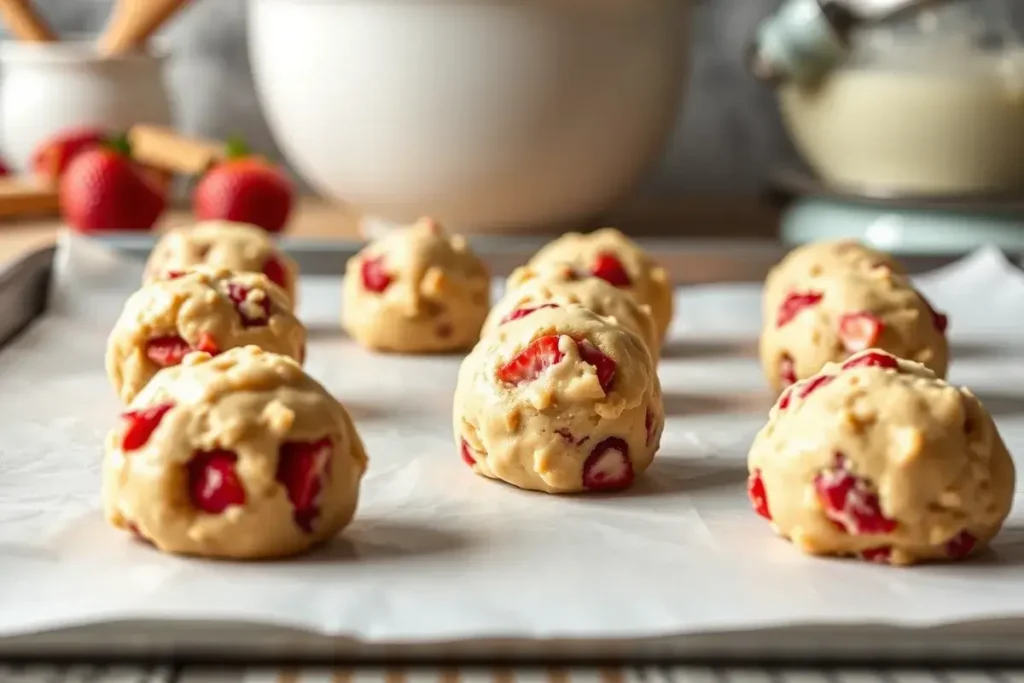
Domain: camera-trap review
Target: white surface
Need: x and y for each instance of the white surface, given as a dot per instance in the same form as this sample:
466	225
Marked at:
49	87
480	113
438	553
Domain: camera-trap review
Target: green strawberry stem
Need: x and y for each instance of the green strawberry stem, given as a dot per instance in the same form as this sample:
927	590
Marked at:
236	148
119	143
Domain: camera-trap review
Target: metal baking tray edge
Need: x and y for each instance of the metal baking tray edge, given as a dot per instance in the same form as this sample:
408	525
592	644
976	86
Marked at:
687	261
24	286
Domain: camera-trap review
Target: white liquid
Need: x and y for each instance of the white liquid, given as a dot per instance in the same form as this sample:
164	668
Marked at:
945	123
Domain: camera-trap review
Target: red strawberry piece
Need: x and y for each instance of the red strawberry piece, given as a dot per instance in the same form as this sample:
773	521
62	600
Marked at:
608	468
794	303
174	274
276	272
523	312
301	466
4	170
246	190
814	384
849	501
253	314
140	425
467	453
961	545
610	269
375	277
167	351
859	331
52	157
529	363
879	555
213	484
786	398
787	370
758	496
208	344
101	189
604	365
940	320
872	359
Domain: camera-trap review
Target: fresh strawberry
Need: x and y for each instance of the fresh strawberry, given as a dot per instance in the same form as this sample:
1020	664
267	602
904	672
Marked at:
608	468
859	331
609	268
52	157
523	312
604	365
375	276
213	483
140	425
102	189
4	170
300	469
794	303
541	354
245	189
757	494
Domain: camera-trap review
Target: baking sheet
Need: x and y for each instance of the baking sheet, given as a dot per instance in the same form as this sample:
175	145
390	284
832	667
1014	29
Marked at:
438	554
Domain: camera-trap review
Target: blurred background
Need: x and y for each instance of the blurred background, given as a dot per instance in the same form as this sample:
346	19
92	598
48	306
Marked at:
724	139
541	117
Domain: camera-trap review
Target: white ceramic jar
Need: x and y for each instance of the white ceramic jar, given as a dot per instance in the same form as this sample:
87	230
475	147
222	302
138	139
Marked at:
50	87
485	114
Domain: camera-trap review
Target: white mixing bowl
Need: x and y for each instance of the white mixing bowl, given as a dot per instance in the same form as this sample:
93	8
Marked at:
485	114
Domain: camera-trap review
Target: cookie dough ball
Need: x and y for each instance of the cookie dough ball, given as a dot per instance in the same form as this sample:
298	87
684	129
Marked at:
820	258
880	459
239	247
827	317
611	256
561	400
418	290
200	310
531	287
238	456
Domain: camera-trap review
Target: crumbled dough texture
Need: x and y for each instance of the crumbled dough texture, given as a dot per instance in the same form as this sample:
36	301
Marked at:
930	451
218	244
812	338
560	284
650	282
816	259
249	402
538	434
194	305
437	299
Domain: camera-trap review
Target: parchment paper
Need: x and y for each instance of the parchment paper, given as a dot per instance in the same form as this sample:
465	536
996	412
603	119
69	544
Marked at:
439	554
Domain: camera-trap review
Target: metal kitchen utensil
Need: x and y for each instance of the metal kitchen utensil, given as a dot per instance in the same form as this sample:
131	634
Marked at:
807	38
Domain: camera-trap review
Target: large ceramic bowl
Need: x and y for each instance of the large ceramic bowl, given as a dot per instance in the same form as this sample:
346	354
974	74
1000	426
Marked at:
485	114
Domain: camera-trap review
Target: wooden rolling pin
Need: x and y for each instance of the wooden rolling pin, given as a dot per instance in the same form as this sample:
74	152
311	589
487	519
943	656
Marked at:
24	22
133	22
164	149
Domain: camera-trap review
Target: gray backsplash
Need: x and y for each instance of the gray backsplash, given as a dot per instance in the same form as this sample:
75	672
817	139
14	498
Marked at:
727	136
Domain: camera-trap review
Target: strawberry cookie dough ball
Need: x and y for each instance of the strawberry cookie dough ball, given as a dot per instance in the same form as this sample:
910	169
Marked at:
827	317
880	459
418	290
240	247
611	256
820	258
200	310
238	456
552	285
561	400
